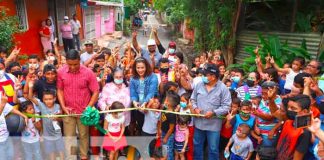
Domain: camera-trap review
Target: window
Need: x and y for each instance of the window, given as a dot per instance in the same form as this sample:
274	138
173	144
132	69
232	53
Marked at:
22	14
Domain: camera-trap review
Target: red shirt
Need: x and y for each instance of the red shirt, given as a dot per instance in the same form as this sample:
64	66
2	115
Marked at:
46	30
77	87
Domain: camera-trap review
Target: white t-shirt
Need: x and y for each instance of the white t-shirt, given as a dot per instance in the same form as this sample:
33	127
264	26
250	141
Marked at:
4	133
30	134
150	122
75	26
114	124
290	79
85	56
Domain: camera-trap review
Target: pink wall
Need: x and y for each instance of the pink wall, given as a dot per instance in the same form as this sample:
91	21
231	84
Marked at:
98	21
110	25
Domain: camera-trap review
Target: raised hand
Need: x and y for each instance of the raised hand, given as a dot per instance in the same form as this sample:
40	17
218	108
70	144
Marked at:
18	84
230	116
272	93
272	61
134	34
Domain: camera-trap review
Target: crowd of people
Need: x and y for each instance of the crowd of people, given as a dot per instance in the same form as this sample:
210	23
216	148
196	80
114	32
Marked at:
225	114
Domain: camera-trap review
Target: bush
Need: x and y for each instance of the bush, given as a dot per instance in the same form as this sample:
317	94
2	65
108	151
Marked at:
127	28
9	26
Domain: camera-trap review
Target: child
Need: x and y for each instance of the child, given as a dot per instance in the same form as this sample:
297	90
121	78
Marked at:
53	141
30	136
115	127
242	145
296	68
181	137
226	133
6	145
244	116
186	107
167	122
151	118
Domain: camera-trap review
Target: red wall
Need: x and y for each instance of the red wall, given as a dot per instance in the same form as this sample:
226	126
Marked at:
29	41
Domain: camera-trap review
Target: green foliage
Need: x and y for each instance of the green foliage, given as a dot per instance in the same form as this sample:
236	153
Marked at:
134	6
303	22
118	26
281	52
127	28
9	26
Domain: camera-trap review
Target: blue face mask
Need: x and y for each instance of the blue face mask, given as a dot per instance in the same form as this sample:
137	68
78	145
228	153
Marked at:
205	79
118	81
183	104
236	79
171	50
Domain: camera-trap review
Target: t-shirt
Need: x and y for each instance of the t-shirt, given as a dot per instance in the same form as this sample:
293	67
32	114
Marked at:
150	122
41	86
51	131
253	91
167	119
114	125
85	56
180	134
66	30
241	147
290	79
75	26
30	134
4	133
237	120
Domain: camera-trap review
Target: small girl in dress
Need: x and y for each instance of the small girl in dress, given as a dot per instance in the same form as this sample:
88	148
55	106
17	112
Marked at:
181	137
114	125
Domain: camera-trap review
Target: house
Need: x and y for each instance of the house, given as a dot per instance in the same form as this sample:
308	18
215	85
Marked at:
31	13
101	18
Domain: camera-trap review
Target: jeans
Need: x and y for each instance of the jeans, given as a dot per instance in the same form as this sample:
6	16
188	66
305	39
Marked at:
213	144
68	44
76	39
6	150
169	146
32	150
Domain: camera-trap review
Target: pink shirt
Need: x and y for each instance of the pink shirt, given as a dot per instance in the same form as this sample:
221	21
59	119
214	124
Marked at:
66	30
111	93
77	87
180	134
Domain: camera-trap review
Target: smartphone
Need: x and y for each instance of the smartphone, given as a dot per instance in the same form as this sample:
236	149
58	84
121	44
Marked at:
302	121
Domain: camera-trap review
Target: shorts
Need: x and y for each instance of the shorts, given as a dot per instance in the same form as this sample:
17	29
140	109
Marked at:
53	146
178	146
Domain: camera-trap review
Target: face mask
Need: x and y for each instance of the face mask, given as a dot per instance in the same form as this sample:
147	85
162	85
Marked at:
183	104
164	70
118	81
204	79
66	21
1	73
17	73
254	106
171	50
50	58
33	66
291	115
244	114
250	83
235	79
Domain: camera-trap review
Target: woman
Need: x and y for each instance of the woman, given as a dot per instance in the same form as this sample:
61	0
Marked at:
143	87
45	33
117	90
67	37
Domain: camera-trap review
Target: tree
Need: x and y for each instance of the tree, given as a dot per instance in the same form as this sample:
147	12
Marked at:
134	6
9	26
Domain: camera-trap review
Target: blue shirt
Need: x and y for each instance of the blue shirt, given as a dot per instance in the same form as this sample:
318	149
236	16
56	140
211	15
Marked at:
150	88
217	100
146	55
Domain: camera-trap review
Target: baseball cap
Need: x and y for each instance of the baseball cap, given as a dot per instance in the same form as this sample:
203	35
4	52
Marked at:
172	44
66	18
88	42
151	42
268	84
211	69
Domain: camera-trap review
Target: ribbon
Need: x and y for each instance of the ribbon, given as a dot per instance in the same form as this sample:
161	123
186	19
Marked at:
91	117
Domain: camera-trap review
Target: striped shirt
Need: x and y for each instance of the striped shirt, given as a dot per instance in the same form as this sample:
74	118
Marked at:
254	91
77	87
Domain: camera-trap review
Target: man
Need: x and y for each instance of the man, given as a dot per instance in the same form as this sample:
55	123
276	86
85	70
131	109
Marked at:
150	54
165	74
89	56
73	82
76	31
314	68
67	36
212	99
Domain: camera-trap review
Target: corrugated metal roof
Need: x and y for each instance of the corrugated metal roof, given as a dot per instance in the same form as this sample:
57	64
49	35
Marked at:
250	38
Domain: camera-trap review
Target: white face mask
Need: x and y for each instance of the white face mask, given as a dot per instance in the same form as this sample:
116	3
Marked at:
171	50
33	66
50	58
